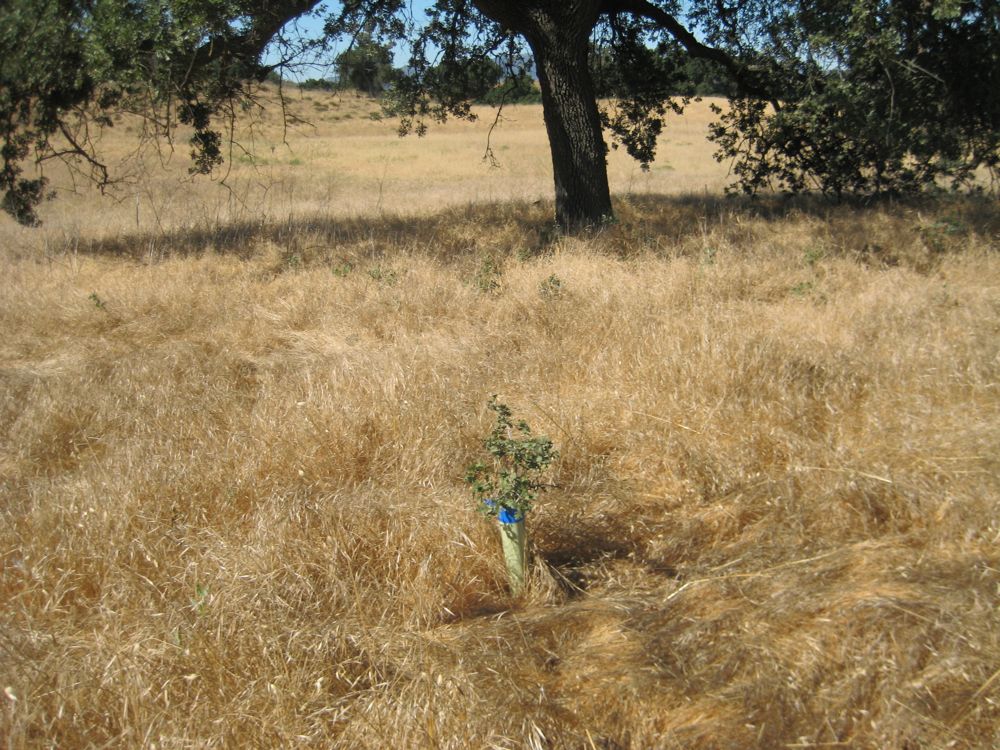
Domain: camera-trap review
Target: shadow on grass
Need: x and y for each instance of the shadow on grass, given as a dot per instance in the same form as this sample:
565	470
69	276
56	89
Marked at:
576	551
644	223
444	234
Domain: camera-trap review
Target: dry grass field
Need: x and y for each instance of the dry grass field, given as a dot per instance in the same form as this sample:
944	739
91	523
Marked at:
336	161
234	426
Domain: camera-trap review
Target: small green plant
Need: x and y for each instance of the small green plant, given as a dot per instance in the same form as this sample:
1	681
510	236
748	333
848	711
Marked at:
550	287
200	599
488	276
506	486
802	288
98	302
382	275
343	269
938	235
813	255
252	160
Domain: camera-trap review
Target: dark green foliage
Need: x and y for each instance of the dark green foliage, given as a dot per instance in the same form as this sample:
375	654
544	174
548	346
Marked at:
458	57
68	66
366	66
22	197
705	78
43	74
867	96
640	80
512	477
318	84
519	88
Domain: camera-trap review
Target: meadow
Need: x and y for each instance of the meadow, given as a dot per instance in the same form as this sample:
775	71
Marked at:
235	421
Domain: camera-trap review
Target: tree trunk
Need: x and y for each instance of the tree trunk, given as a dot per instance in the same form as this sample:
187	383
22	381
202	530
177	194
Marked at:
558	32
579	154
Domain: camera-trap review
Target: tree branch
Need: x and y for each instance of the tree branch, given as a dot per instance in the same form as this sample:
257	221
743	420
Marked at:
508	15
745	78
78	150
268	19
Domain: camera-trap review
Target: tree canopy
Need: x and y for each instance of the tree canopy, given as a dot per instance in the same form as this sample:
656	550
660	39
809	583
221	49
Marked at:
868	97
841	96
366	66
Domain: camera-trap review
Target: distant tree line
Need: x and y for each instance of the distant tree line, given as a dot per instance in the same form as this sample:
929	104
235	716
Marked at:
366	67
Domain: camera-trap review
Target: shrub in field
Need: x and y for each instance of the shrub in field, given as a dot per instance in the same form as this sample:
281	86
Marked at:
507	486
512	481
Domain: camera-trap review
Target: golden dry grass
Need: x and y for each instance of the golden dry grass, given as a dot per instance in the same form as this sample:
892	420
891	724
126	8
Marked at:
231	459
336	161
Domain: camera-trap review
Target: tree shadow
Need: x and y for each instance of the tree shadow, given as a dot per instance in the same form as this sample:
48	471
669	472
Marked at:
447	234
574	548
686	214
524	229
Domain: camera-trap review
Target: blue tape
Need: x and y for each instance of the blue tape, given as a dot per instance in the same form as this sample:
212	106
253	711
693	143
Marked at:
506	515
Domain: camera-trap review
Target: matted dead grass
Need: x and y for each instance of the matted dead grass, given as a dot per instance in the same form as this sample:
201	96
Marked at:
233	514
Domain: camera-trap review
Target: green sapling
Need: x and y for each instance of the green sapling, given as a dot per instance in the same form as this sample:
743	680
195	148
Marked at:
506	485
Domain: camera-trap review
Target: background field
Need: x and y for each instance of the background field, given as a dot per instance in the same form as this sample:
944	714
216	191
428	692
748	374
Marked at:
234	424
334	160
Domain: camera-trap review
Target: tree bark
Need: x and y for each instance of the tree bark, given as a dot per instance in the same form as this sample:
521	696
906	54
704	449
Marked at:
579	154
558	34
